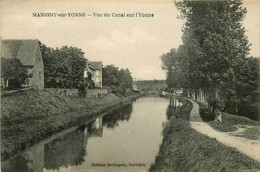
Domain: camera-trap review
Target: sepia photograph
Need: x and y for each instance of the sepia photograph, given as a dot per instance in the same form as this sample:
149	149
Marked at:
130	85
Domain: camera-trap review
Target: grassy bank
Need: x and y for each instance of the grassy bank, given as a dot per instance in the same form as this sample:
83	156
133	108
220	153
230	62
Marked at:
230	122
184	149
30	116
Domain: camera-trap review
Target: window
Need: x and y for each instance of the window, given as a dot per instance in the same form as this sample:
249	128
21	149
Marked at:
40	74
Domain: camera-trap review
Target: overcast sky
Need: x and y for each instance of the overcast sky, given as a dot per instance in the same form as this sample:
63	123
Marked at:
134	43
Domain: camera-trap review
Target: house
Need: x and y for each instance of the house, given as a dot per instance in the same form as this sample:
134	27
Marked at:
95	69
28	52
135	87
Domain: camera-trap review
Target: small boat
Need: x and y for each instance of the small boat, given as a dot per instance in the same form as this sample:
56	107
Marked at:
163	94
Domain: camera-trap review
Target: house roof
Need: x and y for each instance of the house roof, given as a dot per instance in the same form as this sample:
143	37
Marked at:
21	49
95	65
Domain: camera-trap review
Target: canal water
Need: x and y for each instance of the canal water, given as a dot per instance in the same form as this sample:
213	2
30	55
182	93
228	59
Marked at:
126	140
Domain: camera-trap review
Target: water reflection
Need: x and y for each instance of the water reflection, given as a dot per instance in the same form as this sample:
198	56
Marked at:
29	161
112	120
95	128
174	108
68	150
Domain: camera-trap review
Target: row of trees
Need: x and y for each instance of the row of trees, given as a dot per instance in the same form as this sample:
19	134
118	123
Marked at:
120	79
213	59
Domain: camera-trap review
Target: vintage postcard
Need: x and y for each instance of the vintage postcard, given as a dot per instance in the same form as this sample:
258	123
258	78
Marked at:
130	85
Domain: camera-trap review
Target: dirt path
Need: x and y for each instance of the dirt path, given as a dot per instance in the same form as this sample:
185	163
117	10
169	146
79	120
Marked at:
250	148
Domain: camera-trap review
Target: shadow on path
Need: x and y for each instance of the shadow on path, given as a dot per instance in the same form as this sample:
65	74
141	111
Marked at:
245	146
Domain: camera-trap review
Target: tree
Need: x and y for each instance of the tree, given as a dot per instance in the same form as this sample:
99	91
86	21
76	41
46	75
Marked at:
89	82
13	74
120	80
214	55
64	67
125	79
110	75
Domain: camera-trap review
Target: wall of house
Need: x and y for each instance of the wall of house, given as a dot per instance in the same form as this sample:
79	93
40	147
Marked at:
98	78
38	71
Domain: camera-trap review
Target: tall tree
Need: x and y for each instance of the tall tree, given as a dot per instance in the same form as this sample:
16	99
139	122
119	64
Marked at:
64	67
114	77
214	54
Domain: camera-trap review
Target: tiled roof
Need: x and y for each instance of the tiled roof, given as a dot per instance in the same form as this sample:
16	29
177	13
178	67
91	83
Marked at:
95	64
21	49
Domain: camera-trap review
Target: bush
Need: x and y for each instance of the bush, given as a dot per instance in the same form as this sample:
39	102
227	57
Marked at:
13	73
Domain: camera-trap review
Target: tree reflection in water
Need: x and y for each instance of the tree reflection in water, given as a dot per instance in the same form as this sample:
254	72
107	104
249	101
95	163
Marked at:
174	108
31	160
17	164
67	150
70	150
111	120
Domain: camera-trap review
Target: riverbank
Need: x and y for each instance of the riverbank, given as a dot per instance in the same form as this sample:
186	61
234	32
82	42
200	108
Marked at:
185	149
239	125
31	116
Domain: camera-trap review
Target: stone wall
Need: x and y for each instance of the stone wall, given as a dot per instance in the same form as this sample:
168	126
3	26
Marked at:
91	93
65	92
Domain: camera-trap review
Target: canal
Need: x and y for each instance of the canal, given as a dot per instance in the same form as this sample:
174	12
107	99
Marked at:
126	140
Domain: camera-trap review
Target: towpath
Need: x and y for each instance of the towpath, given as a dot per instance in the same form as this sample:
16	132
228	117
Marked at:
250	148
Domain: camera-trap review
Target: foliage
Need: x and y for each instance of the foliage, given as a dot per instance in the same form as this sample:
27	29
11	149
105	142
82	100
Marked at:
13	72
63	67
89	82
184	149
151	85
111	120
112	76
54	155
214	56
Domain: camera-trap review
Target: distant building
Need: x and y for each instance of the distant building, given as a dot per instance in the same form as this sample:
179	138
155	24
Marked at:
28	52
135	87
178	91
95	69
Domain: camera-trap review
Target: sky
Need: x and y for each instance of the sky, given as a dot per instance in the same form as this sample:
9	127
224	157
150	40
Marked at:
134	43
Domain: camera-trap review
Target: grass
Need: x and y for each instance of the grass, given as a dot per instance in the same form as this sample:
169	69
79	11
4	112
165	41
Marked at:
185	149
238	120
229	121
30	116
250	133
222	126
